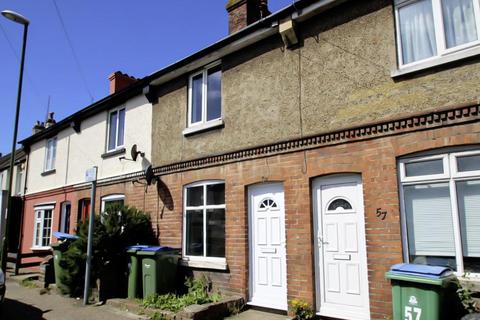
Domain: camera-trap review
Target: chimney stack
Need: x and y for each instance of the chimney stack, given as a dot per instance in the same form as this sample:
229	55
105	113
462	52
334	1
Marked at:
37	127
50	120
119	81
242	13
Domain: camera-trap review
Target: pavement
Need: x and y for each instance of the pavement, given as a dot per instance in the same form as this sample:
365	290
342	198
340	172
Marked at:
253	314
23	303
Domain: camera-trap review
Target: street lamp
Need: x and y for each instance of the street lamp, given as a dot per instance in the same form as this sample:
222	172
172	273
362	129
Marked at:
15	17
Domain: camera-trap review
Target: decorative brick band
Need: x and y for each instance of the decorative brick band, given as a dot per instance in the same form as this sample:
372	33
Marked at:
414	122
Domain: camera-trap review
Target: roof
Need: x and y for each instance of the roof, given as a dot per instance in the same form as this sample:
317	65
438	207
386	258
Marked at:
300	10
20	156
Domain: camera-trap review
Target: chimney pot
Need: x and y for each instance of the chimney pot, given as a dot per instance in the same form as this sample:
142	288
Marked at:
50	120
242	13
37	127
119	81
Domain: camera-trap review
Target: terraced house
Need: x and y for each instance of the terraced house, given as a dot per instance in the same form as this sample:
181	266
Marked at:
308	151
60	153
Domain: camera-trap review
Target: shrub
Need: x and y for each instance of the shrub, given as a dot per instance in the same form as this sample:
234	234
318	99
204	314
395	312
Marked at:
198	293
119	227
301	309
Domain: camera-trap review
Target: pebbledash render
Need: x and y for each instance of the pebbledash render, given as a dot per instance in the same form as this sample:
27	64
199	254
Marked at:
311	149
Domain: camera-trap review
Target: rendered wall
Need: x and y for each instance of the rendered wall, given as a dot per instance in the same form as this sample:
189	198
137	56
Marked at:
340	77
78	152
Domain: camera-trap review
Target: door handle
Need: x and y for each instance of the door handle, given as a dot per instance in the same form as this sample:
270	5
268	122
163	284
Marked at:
321	241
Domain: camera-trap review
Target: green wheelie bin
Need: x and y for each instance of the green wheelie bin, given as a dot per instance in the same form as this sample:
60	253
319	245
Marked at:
134	272
58	249
422	292
159	269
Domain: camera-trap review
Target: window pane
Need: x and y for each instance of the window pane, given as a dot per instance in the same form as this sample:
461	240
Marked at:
417	31
54	153
38	233
459	22
109	205
47	227
468	194
214	95
121	127
112	123
197	85
429	224
216	232
216	194
195	196
424	168
468	163
194	233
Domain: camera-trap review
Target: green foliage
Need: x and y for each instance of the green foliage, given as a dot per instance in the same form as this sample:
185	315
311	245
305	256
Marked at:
119	227
465	295
198	293
157	316
301	309
29	283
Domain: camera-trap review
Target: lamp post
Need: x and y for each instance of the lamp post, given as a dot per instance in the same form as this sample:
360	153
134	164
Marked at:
15	17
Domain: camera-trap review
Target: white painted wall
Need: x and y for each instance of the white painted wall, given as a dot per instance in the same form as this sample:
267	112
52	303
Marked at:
78	152
4	179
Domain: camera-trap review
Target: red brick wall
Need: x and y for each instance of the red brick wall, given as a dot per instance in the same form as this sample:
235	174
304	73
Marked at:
374	159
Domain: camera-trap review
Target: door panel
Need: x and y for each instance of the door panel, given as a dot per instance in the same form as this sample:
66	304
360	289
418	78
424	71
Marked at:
341	272
268	284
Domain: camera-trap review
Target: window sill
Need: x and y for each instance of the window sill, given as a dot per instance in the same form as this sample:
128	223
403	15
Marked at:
48	172
456	56
217	264
203	127
41	248
113	153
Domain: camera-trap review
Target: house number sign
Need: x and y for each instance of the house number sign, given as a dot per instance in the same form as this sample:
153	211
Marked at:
413	312
382	214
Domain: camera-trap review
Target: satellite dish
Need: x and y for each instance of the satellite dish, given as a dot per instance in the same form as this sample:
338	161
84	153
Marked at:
149	175
134	153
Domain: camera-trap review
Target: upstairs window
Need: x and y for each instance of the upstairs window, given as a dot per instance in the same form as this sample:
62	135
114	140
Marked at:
18	180
116	129
429	29
50	155
205	96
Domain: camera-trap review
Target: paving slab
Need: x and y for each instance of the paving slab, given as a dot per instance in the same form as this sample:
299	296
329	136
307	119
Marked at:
23	303
253	314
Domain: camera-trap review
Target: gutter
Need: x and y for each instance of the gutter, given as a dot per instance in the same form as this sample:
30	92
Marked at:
267	27
300	11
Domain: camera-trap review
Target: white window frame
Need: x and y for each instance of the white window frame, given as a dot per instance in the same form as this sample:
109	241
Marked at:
117	146
50	166
41	221
18	179
201	261
450	176
443	175
111	198
203	122
443	55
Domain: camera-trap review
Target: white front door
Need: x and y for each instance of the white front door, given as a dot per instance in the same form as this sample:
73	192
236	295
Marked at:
268	266
341	272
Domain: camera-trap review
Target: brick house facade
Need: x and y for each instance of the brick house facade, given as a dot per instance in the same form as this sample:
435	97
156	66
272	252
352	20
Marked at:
292	118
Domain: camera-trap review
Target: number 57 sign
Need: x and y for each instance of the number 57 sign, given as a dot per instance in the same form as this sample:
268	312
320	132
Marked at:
413	313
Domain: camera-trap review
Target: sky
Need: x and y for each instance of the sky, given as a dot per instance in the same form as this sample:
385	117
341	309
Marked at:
136	37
